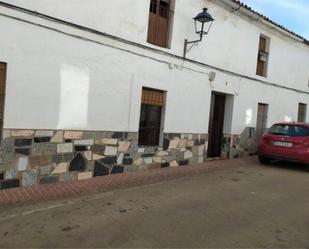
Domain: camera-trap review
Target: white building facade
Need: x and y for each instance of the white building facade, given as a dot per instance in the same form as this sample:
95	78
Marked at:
92	88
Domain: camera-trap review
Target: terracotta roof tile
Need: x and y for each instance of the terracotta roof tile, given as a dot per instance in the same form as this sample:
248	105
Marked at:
241	4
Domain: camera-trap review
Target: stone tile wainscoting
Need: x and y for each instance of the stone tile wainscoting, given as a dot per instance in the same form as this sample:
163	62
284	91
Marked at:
30	157
236	146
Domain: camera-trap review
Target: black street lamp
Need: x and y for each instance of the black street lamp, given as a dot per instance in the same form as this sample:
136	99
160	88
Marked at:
203	21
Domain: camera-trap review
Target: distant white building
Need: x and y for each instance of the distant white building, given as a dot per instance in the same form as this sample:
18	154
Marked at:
92	87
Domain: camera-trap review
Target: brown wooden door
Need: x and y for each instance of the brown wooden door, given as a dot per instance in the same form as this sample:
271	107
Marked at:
2	94
302	109
261	124
216	126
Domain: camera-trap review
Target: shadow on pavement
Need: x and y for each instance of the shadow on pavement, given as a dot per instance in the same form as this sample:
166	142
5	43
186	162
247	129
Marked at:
289	166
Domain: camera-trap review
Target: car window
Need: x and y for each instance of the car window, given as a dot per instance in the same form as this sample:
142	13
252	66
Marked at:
282	130
298	131
290	130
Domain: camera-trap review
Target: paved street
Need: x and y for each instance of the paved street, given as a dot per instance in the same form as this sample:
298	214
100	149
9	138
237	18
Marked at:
253	206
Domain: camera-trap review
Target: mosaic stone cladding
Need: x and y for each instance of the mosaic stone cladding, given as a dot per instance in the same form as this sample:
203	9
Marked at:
236	146
32	157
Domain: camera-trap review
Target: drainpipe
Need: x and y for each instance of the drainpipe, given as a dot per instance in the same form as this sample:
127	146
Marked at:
130	101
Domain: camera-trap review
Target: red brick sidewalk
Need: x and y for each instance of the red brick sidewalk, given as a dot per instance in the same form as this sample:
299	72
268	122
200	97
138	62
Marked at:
107	183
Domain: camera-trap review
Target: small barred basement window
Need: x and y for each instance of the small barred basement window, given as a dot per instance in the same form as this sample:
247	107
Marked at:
153	103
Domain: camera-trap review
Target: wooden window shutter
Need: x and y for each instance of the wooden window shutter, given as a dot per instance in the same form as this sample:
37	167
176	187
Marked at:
262	64
153	97
302	108
260	68
152	24
159	22
262	46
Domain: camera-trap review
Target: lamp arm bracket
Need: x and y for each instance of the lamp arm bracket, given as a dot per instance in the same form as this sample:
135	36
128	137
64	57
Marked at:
186	50
189	42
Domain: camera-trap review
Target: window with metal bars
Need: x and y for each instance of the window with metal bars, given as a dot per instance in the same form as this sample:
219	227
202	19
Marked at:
153	102
160	16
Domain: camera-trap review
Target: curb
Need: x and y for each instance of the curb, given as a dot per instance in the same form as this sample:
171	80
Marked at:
63	190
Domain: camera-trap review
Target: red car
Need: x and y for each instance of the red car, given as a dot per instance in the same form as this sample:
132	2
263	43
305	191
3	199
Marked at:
285	141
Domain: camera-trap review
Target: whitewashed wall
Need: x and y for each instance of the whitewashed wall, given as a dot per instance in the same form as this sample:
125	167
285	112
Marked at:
56	81
232	43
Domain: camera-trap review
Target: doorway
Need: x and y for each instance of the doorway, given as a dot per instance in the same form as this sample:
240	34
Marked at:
2	94
261	123
216	124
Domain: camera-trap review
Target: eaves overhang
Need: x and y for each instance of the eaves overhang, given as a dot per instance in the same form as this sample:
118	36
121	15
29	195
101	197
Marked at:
237	5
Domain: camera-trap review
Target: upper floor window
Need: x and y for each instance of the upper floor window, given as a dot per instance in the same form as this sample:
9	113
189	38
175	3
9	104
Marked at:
263	56
160	20
302	109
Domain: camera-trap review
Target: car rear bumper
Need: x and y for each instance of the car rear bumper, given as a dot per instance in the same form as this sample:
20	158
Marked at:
301	156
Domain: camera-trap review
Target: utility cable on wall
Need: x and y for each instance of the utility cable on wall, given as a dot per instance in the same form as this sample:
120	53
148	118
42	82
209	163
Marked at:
234	74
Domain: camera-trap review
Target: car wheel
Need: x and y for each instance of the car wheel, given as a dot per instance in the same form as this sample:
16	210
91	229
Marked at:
264	160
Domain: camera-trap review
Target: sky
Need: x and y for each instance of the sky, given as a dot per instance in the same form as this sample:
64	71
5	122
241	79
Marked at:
292	14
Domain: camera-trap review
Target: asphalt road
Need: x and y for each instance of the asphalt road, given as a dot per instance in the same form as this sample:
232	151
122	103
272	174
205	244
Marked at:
254	206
